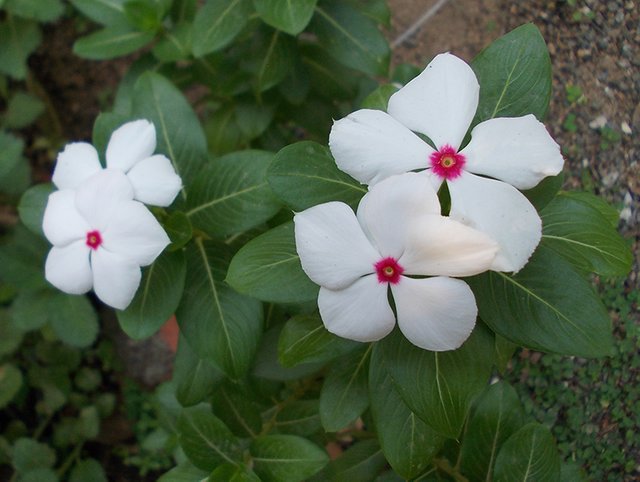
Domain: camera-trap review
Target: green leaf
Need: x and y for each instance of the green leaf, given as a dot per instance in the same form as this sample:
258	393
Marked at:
41	10
344	395
377	10
179	132
545	191
439	386
10	383
291	16
529	454
408	443
144	15
237	410
514	73
580	233
379	98
219	323
232	473
268	268
40	475
286	458
304	174
304	339
23	109
73	319
19	38
31	309
32	205
329	78
532	308
301	417
111	42
175	44
10	334
217	24
222	130
104	12
179	230
30	455
606	210
253	118
498	414
103	127
360	462
271	60
184	472
351	38
157	297
22	257
10	152
206	441
504	351
196	377
232	195
88	470
89	422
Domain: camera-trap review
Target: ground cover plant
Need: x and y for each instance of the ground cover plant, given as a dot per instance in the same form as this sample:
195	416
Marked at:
211	171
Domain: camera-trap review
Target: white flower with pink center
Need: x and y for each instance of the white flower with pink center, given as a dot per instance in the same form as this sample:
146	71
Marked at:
397	241
482	177
130	150
101	237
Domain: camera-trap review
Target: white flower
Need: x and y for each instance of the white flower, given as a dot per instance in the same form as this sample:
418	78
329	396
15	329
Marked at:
100	238
440	103
398	233
130	150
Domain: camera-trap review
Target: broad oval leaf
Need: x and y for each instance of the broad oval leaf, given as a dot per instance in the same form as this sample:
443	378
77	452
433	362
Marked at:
219	323
19	38
184	472
533	308
273	54
286	458
268	268
301	417
231	194
232	473
290	16
529	454
362	461
514	73
304	174
157	297
217	23
10	383
196	377
32	205
73	319
545	191
105	12
41	10
439	386
111	42
236	408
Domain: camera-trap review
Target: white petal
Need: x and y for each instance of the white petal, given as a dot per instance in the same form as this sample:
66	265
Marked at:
115	279
516	150
441	246
333	250
501	211
135	234
68	268
62	223
101	194
440	102
155	181
359	312
131	143
75	164
436	314
389	209
370	145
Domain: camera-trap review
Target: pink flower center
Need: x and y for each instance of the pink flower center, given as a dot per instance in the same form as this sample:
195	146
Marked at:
388	270
447	162
94	239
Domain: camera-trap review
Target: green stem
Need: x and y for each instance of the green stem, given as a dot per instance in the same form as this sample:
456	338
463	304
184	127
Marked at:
70	459
41	428
445	466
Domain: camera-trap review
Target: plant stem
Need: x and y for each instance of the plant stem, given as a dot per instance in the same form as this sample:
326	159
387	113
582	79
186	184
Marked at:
70	459
445	466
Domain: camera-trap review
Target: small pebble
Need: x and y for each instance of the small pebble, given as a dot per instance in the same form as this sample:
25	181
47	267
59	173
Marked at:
598	123
625	127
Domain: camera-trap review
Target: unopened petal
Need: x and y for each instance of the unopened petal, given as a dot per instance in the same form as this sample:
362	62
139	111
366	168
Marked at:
75	164
155	181
62	223
501	211
516	150
370	145
131	143
333	250
115	278
358	312
68	268
101	194
436	314
441	246
440	102
135	234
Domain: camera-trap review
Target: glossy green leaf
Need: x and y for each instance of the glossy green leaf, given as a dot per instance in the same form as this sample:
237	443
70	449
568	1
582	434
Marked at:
581	234
40	475
41	10
111	42
10	152
351	38
272	57
88	470
10	383
31	309
360	462
408	443
184	472
301	417
497	415
439	386
144	15
606	210
10	334
19	38
533	309
157	297
232	473
529	454
545	191
504	351
206	441
22	257
237	410
377	10
253	118
290	16
515	75
32	205
73	319
304	174
286	458
328	78
224	135
232	194
179	229
219	323
345	391
23	109
175	45
196	377
268	268
105	12
217	23
304	339
379	98
29	454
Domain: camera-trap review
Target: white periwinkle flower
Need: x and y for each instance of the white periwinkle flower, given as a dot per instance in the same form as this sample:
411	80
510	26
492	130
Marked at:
398	234
440	103
130	150
100	238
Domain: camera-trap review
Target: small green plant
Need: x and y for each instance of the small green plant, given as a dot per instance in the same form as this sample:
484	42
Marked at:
574	94
569	123
608	137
